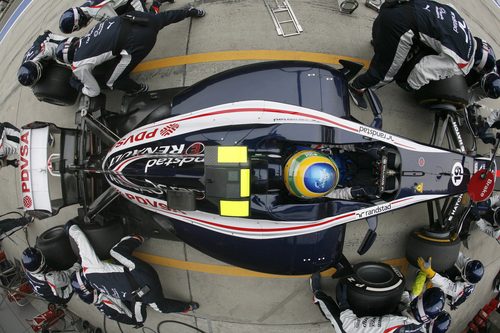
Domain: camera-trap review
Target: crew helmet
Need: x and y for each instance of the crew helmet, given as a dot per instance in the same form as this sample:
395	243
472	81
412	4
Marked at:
473	271
82	287
310	174
491	85
484	58
29	73
428	305
33	260
441	324
72	20
66	50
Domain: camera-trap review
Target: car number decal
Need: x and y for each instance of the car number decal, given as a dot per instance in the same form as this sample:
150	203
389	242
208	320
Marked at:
457	174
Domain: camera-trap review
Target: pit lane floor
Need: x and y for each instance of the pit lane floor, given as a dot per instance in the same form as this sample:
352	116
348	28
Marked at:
233	33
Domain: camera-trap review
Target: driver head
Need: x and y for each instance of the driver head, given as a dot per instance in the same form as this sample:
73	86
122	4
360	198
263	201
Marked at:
310	174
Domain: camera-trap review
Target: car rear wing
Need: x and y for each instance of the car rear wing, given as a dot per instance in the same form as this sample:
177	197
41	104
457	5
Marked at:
45	154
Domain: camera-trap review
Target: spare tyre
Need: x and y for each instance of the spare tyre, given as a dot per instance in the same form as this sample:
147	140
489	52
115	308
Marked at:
375	289
102	238
55	246
452	91
439	245
53	87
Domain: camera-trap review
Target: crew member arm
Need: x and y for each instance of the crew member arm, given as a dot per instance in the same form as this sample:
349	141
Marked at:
450	288
59	281
123	250
353	324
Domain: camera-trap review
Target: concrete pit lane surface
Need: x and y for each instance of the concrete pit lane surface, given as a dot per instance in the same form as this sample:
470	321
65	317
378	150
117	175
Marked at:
233	33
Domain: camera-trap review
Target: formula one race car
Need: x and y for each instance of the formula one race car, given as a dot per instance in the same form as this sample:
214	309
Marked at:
207	164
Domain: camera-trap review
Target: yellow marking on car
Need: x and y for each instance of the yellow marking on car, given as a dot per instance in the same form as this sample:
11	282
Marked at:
245	183
235	208
400	263
245	55
232	154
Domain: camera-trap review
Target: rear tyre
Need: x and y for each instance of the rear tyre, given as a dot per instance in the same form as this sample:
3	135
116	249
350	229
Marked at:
102	238
53	87
452	91
424	243
55	246
375	289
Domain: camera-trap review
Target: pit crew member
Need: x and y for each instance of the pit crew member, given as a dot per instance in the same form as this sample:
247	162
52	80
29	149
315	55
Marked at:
9	145
487	216
77	18
459	281
129	279
53	286
122	311
42	49
416	315
401	24
128	38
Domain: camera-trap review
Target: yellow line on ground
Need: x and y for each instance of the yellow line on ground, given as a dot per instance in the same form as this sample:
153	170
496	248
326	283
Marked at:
244	55
235	271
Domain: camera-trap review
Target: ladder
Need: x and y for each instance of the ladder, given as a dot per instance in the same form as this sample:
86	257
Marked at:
290	18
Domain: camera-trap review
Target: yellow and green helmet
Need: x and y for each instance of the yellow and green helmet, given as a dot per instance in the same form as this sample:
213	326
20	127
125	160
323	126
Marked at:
310	174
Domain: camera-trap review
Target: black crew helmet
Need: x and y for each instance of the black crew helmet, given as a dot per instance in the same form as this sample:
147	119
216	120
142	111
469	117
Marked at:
82	287
33	260
66	50
484	58
491	85
29	73
428	305
473	271
72	20
441	324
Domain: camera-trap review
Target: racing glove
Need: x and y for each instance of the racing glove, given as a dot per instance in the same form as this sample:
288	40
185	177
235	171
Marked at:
364	193
357	96
418	285
484	130
426	267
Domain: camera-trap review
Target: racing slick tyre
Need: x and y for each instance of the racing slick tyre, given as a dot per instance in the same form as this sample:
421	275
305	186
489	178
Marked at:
452	91
102	238
55	246
375	289
424	243
53	87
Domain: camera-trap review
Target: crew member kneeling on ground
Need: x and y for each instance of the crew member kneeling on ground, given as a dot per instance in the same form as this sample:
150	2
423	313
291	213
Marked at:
401	24
130	37
422	314
53	286
459	281
122	311
130	279
9	145
77	18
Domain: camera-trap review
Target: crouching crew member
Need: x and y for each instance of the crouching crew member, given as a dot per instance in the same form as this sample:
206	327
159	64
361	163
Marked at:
130	279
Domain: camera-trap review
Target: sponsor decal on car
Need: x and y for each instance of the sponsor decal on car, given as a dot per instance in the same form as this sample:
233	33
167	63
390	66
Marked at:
177	161
374	211
169	129
150	202
419	187
24	163
373	133
172	149
141	136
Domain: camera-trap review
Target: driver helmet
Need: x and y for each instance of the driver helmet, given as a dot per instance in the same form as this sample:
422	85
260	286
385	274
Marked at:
66	50
441	324
33	260
491	85
484	58
29	73
310	174
473	271
82	287
72	20
428	305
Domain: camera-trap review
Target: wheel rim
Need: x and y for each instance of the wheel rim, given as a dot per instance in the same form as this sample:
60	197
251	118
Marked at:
375	274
